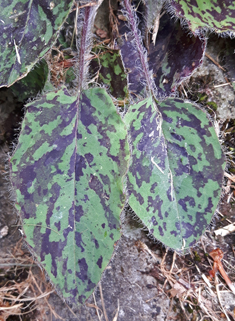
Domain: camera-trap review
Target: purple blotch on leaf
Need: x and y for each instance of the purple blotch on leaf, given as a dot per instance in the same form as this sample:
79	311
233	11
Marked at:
99	262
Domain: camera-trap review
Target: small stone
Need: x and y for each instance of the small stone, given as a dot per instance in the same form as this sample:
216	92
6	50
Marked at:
4	231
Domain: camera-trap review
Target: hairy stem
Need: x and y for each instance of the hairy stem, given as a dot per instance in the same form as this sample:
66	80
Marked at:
140	49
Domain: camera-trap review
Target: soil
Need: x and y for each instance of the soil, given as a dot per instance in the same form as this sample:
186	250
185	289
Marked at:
144	280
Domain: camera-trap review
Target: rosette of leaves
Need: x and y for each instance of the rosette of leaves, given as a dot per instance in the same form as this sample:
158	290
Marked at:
72	155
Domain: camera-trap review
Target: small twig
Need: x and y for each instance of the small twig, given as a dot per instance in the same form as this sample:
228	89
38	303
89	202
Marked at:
206	280
225	230
19	305
102	42
229	81
116	315
173	263
102	302
230	197
24	313
214	61
156	26
18	298
222	85
90	4
185	92
218	295
45	298
97	308
205	316
29	299
231	177
224	216
142	246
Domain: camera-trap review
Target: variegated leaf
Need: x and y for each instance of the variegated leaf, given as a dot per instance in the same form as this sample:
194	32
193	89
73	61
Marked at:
67	172
28	30
216	15
175	176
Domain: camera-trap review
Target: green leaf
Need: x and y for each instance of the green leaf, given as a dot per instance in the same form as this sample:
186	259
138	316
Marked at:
175	176
216	15
32	84
111	72
28	30
67	172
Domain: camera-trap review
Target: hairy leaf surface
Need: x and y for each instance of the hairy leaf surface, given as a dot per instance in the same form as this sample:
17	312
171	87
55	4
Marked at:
162	66
175	55
131	59
67	172
175	176
217	15
28	30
